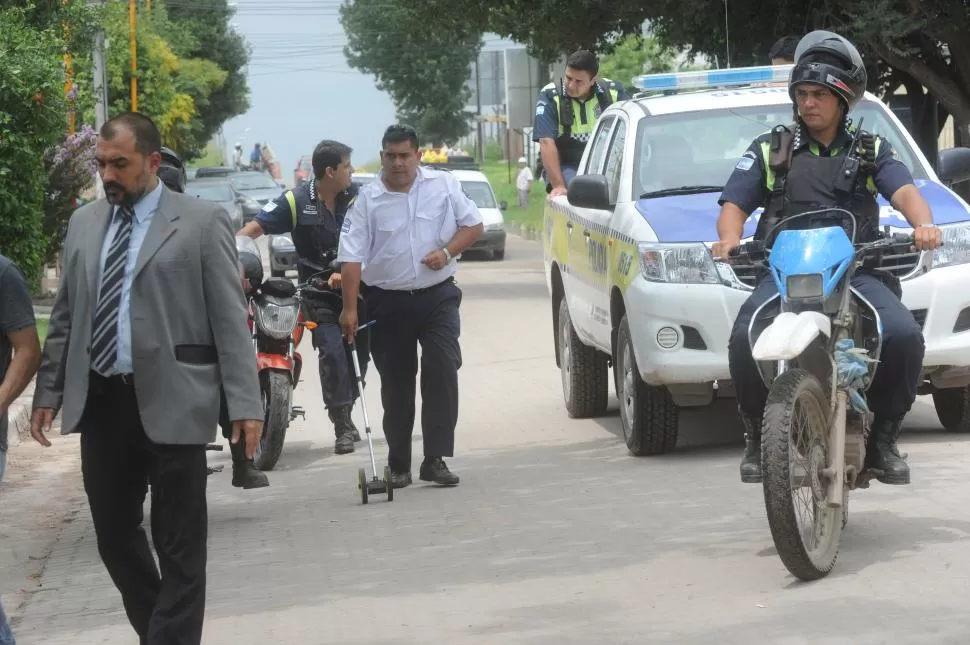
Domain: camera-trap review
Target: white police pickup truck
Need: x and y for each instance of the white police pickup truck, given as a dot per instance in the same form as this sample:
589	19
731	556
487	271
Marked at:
628	264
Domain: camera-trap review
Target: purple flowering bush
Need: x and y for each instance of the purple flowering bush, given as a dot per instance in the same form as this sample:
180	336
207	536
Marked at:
70	168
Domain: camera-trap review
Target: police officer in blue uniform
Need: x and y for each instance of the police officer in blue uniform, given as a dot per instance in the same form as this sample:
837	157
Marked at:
566	116
313	213
790	171
172	173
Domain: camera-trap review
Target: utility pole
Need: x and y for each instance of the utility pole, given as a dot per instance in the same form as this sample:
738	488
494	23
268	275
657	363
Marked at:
133	37
100	80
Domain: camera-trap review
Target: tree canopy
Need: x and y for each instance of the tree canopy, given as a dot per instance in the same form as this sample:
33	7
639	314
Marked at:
422	65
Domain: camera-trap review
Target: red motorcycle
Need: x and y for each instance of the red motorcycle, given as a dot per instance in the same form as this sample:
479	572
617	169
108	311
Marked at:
277	324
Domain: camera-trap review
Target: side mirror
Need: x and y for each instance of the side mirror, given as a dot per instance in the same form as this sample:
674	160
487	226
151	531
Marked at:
954	165
589	191
503	205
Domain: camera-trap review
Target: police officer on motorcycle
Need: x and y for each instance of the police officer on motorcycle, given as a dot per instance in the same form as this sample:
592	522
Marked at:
172	173
314	212
801	168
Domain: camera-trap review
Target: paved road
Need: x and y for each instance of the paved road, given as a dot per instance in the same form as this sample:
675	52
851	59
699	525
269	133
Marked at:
556	535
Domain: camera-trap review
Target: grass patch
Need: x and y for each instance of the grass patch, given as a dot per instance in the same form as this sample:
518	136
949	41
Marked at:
498	175
42	329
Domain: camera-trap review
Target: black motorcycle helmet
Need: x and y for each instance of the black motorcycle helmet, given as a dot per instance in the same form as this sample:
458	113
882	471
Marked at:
172	170
826	58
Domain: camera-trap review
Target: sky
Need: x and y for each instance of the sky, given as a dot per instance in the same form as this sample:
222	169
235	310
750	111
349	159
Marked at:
301	88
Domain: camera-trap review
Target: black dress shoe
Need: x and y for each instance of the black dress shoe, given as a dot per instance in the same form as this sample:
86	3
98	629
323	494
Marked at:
400	480
434	470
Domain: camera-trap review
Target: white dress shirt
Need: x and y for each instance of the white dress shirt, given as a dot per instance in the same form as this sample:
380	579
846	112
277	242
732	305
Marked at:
144	211
389	233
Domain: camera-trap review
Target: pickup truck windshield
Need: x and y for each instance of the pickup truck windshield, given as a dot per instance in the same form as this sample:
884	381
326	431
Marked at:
702	148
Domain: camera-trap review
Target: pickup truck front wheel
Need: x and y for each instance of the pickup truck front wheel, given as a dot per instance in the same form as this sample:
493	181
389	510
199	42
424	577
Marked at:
585	371
648	413
953	408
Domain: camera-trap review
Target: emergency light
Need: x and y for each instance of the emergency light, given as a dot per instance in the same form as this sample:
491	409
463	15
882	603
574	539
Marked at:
708	78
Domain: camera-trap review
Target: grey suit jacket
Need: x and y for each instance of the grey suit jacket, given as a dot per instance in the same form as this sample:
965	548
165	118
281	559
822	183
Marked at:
186	299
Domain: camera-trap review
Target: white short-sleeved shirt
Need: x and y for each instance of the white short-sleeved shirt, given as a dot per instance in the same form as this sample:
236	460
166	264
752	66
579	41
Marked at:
389	233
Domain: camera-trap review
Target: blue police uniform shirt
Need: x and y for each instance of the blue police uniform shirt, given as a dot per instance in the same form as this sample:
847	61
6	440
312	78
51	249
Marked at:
546	123
276	218
746	188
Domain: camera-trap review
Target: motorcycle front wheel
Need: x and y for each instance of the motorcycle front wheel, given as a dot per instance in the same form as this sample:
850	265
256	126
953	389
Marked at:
277	396
794	453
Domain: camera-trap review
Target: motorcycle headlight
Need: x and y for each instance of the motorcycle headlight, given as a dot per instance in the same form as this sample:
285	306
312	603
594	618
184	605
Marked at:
677	263
956	246
804	286
275	320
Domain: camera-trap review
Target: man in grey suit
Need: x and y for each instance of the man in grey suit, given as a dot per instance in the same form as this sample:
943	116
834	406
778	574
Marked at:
149	323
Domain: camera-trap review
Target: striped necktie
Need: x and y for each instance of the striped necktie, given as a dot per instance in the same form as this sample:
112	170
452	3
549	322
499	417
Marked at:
104	340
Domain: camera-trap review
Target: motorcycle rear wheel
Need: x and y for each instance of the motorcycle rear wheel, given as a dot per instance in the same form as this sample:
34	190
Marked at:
794	451
277	396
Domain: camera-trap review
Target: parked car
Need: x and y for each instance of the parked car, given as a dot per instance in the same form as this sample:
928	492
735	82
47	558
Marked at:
220	191
213	171
304	168
479	190
282	255
257	188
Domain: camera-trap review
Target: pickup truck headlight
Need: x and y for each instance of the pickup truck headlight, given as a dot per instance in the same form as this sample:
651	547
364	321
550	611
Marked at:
281	242
495	226
956	246
677	263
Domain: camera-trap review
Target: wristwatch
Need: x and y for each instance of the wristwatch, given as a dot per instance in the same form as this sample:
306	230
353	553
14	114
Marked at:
447	253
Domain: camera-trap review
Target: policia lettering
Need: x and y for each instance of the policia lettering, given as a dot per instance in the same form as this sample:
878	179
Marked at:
573	135
799	178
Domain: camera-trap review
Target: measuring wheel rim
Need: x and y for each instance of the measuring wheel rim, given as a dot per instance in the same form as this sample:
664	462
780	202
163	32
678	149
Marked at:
806	530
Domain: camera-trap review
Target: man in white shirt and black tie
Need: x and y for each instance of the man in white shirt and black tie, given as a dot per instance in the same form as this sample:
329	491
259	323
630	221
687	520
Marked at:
400	239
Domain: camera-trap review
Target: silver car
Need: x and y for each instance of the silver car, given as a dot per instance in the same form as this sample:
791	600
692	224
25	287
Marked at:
220	191
258	188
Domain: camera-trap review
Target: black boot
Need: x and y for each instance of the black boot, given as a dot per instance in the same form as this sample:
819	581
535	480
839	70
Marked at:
882	453
244	473
434	470
751	461
343	427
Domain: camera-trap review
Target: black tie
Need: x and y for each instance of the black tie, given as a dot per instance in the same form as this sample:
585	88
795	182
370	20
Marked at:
104	340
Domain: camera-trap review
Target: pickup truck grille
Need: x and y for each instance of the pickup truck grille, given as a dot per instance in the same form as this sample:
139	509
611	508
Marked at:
901	265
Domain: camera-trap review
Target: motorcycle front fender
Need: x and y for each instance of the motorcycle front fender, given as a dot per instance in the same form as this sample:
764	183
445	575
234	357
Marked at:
266	361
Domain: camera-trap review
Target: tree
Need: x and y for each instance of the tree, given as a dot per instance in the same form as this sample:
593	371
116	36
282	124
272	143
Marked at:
549	28
206	23
171	88
422	66
635	55
32	119
912	43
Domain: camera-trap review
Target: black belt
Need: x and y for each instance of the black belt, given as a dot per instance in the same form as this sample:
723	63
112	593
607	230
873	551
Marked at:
115	381
450	280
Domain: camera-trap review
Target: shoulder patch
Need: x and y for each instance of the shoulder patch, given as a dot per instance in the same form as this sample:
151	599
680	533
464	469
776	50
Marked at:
269	207
540	109
746	162
345	228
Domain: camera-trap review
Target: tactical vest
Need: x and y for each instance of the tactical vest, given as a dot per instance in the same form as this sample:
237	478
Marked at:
315	230
810	184
573	135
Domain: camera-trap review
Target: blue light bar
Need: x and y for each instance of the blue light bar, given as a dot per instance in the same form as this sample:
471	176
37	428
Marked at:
709	78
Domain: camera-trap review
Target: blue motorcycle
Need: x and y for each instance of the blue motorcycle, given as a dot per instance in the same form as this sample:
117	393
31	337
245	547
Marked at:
817	345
